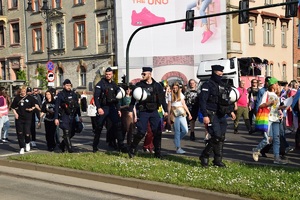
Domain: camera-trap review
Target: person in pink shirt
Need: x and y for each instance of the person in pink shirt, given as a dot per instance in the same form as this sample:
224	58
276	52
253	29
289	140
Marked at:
242	108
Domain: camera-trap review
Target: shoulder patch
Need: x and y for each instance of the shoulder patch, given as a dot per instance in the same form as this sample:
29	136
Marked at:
98	86
204	89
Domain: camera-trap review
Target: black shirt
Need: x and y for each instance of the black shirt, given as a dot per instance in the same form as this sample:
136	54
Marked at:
20	104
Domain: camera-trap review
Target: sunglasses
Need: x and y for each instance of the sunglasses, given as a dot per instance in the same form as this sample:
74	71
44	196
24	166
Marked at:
143	74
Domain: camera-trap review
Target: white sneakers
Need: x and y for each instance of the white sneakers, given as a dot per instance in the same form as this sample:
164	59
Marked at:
27	147
22	151
180	151
255	154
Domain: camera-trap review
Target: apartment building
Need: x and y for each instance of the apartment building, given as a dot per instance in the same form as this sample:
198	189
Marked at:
268	36
296	55
12	40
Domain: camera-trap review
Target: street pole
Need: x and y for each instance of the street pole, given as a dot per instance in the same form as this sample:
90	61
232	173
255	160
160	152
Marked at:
48	33
200	17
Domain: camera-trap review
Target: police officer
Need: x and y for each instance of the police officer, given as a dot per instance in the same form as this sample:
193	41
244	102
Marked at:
213	108
148	112
108	108
66	110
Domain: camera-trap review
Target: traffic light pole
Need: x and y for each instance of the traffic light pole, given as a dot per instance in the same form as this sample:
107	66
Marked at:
199	17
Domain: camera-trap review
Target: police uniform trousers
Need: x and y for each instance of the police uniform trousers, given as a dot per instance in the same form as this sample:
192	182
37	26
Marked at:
67	124
116	128
141	125
217	129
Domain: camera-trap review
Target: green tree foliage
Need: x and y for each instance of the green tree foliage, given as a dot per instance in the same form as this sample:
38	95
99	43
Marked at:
21	75
41	76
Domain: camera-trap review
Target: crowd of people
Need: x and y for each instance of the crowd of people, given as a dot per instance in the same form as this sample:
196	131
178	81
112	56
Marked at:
129	118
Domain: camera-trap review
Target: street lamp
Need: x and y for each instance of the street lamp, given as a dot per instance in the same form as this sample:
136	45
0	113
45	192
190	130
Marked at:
45	10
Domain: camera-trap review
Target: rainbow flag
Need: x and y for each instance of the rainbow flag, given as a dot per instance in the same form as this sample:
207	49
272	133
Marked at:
262	119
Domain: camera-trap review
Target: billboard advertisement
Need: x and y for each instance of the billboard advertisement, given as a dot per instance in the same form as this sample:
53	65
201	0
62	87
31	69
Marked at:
171	39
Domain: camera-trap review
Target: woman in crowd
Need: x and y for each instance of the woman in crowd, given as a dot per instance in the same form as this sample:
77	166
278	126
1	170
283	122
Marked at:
83	101
4	119
177	110
23	106
48	112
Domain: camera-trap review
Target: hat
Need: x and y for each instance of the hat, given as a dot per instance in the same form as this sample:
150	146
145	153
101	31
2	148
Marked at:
217	68
109	69
272	81
147	69
67	81
29	89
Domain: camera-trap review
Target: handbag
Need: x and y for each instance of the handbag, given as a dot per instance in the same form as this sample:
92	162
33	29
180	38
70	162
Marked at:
92	110
179	111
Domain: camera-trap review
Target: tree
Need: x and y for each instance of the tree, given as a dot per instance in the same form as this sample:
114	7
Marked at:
41	76
21	75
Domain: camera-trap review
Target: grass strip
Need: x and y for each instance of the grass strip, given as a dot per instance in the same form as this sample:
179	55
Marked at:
252	181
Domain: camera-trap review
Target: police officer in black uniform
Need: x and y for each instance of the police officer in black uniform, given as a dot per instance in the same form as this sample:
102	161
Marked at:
108	107
148	112
212	102
65	112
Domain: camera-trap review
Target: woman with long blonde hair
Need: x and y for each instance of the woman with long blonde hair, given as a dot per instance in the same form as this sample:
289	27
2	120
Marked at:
177	111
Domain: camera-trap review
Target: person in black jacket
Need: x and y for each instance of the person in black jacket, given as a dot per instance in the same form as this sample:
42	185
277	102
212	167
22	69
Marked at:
212	102
148	112
108	108
65	112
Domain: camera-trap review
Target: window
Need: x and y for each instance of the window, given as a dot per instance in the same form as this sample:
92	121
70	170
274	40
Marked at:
1	8
59	37
60	76
298	33
2	38
283	35
284	72
13	4
268	2
57	4
37	40
36	5
251	31
3	71
298	68
15	33
268	33
80	35
270	73
79	2
103	34
82	76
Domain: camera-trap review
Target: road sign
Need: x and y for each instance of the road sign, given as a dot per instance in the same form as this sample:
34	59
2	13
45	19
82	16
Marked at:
50	65
50	76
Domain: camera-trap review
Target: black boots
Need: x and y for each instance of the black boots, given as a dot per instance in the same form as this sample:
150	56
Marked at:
218	151
132	149
66	142
192	136
204	158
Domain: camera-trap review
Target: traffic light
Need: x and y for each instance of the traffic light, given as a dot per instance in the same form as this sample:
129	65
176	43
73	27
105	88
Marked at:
243	15
124	79
291	9
189	23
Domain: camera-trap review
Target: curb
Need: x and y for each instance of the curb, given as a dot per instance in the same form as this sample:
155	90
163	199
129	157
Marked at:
128	182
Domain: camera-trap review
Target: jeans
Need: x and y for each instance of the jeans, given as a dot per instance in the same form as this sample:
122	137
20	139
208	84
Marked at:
4	125
180	129
273	132
204	5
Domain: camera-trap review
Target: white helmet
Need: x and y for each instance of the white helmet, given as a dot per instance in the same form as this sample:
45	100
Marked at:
139	94
234	95
121	93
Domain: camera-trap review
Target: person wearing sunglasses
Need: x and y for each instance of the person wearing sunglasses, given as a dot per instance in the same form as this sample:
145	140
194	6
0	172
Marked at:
147	111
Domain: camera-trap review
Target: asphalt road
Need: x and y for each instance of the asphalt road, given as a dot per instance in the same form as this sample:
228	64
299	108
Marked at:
237	147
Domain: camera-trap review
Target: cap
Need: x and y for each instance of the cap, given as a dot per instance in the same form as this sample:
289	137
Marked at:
217	68
272	81
67	81
109	69
29	89
147	69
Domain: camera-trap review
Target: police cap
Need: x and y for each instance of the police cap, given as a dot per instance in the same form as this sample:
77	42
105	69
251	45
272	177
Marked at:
147	69
109	69
67	81
29	89
217	68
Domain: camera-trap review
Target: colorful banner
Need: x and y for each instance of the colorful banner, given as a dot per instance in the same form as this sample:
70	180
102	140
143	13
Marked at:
172	39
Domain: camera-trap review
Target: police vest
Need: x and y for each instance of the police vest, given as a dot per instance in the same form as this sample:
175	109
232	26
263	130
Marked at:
108	95
69	104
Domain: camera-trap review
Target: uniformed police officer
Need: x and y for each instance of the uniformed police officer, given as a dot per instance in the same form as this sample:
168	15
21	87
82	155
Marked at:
108	107
66	109
148	112
210	102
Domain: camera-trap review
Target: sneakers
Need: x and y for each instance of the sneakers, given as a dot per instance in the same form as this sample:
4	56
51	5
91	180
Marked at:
4	141
287	150
180	151
255	154
206	36
22	151
279	161
145	18
33	144
27	147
